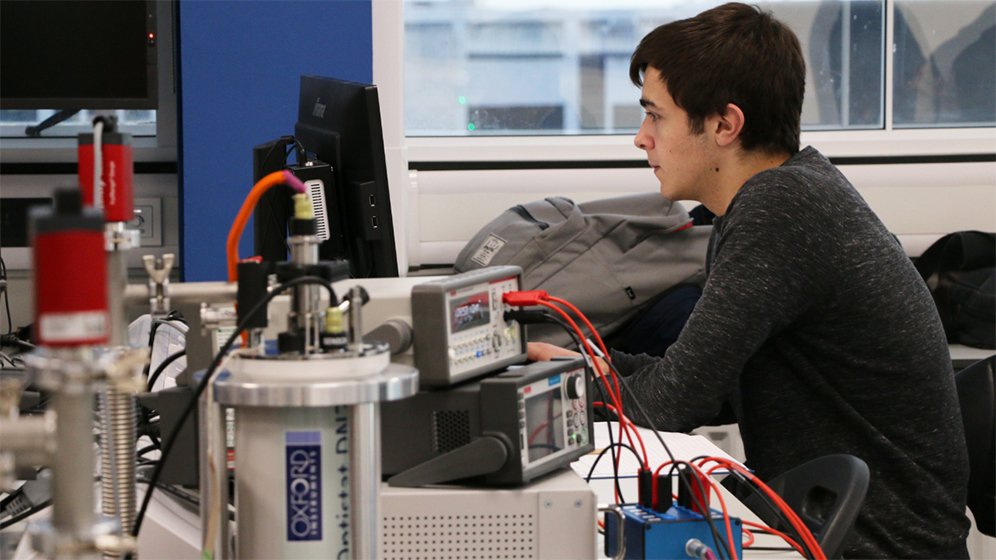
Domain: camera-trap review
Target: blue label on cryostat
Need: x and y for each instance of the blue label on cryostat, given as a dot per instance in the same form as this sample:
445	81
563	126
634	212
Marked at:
303	453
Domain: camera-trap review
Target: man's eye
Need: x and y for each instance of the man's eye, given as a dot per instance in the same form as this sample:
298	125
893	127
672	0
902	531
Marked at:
651	116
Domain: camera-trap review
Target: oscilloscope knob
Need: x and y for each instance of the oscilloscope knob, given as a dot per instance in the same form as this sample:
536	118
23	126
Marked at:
575	386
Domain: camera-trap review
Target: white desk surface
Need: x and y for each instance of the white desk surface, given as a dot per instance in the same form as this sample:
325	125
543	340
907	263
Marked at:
962	352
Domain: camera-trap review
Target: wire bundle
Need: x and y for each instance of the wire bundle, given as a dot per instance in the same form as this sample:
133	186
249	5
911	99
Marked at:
806	544
542	299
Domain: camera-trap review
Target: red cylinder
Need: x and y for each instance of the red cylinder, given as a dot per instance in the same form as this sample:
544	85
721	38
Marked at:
117	172
70	274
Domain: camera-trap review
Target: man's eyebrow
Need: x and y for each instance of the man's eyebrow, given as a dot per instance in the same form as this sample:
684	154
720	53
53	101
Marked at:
644	102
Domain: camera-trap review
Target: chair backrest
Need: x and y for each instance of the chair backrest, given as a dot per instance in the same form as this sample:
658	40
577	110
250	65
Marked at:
826	493
977	395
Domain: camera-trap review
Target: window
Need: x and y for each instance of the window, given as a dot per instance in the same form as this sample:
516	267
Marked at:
14	123
501	67
945	74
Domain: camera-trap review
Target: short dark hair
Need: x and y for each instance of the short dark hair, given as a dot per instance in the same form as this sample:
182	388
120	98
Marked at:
734	53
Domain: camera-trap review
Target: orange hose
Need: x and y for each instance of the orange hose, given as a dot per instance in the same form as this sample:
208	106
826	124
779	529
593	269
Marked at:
245	212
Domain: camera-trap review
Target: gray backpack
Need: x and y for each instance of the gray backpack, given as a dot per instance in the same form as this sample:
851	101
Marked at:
608	257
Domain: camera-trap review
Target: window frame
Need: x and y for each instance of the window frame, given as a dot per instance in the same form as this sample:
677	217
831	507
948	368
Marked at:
388	24
895	168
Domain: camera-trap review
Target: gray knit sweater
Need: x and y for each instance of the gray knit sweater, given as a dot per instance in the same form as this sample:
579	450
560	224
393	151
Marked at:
816	326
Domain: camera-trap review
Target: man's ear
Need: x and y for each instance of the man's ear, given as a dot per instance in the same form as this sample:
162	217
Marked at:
728	126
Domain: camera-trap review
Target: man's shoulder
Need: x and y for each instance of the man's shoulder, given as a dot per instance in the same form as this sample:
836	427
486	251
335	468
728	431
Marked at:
807	173
804	166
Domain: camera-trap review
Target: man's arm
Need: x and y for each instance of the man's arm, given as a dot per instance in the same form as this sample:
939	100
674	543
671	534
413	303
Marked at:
767	272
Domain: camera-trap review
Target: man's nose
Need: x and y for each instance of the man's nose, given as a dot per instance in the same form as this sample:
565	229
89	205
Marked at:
643	140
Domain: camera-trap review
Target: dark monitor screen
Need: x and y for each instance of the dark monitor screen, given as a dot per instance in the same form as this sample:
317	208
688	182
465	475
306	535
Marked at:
339	125
78	54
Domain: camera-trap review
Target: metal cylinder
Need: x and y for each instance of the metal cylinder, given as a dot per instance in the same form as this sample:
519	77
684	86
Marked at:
364	438
213	470
185	293
356	317
30	438
307	463
304	252
117	279
118	457
72	477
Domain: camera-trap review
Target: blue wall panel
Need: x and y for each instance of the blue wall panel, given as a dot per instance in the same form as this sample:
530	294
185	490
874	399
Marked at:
241	63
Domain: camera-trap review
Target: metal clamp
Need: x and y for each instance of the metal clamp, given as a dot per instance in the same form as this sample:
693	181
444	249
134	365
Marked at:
118	238
158	270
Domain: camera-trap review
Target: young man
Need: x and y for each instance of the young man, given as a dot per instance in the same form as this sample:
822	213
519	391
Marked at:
812	321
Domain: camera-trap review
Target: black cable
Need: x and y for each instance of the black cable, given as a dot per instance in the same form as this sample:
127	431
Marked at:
602	454
301	155
173	315
615	457
24	515
156	323
162	367
152	447
641	410
6	296
11	339
286	139
205	381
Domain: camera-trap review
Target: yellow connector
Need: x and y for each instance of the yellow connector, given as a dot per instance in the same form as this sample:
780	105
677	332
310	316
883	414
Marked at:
333	320
302	207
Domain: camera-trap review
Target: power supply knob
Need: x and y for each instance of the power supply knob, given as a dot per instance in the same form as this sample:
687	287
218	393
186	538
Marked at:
575	387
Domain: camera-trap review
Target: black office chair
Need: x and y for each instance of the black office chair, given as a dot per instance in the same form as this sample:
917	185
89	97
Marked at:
977	394
826	493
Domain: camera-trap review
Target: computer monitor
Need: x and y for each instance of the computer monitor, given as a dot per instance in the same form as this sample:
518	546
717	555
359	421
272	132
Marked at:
338	124
75	55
